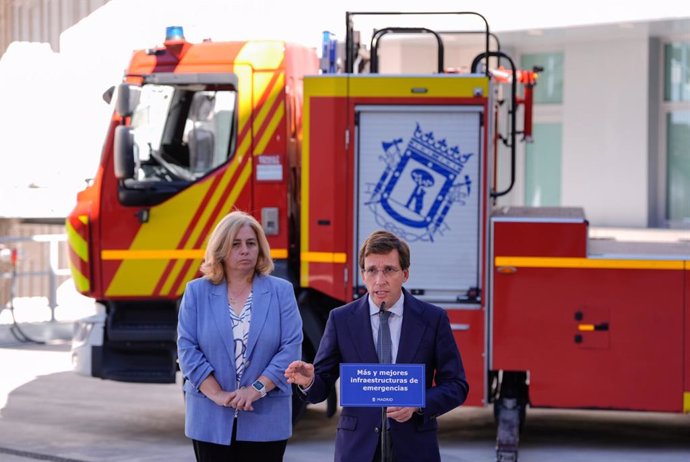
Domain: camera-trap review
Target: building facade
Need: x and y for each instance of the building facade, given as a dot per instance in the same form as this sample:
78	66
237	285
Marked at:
41	20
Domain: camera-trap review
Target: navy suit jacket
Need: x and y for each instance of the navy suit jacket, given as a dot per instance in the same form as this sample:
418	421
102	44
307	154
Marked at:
425	338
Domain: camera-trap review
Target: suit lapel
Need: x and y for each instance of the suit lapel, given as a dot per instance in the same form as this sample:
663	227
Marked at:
359	324
412	330
261	299
218	299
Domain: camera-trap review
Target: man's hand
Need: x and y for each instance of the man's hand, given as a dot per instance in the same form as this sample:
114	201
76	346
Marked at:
300	373
400	414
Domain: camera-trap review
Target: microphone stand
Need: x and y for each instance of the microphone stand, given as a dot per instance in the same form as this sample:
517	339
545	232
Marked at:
386	455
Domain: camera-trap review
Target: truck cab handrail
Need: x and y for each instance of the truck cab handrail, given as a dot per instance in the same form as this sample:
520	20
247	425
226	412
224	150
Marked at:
351	52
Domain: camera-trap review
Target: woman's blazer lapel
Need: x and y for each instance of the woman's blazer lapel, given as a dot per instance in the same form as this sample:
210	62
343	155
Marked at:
261	300
218	301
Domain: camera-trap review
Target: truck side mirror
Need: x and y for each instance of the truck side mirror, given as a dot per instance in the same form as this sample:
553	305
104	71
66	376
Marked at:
123	152
108	94
127	99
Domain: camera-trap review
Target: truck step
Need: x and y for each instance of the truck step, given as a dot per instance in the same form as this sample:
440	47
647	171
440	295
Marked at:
142	333
137	362
152	321
140	376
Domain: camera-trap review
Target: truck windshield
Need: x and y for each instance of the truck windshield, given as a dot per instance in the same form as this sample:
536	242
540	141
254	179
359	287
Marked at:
182	132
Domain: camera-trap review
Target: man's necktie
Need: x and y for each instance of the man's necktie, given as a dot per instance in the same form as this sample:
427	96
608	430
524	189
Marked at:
384	348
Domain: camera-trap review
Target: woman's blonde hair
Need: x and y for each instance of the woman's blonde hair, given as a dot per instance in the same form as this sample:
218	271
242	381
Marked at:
220	242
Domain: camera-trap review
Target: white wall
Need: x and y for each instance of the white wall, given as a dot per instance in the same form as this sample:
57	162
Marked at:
605	115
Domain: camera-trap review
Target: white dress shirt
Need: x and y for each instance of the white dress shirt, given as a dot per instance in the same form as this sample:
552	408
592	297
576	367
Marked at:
394	323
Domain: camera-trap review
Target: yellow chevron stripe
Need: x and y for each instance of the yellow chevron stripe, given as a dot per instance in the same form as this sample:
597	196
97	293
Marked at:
170	280
270	130
208	208
244	176
263	80
206	214
76	242
169	220
324	257
190	274
686	402
545	262
80	281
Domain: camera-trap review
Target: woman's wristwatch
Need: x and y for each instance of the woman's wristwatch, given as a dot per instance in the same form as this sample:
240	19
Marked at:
259	386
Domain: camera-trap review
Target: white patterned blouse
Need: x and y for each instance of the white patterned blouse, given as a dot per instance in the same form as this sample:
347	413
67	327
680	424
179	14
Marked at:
240	332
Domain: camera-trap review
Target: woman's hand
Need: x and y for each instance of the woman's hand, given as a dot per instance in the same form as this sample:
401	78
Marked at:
212	390
243	398
300	373
222	397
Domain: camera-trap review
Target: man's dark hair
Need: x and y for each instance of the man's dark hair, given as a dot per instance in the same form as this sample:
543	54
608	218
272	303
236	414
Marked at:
383	242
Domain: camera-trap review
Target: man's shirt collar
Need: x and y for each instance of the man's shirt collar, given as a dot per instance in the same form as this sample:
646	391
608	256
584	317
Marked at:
396	309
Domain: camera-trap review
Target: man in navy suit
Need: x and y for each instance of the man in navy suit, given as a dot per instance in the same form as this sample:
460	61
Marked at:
420	333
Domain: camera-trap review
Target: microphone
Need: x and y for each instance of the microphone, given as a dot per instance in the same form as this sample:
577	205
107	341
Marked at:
383	306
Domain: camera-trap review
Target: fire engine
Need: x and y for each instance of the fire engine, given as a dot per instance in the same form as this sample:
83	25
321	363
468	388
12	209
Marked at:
323	154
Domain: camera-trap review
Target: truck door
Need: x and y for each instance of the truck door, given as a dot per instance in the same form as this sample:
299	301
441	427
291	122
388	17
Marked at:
192	142
417	175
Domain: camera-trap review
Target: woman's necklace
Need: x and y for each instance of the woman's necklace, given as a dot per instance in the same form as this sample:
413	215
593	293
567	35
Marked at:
240	296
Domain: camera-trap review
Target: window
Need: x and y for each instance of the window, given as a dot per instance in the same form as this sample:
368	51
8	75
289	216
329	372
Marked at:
677	72
542	165
182	132
549	89
676	109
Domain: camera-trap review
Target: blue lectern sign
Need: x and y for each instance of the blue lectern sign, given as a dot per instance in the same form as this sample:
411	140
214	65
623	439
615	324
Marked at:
379	385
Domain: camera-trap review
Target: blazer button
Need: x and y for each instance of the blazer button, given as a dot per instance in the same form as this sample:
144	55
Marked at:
376	429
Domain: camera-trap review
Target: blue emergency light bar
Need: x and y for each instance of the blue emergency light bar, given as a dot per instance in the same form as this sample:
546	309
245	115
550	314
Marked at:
328	53
174	33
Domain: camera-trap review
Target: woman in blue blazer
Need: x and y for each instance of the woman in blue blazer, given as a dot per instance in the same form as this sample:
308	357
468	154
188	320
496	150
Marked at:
238	330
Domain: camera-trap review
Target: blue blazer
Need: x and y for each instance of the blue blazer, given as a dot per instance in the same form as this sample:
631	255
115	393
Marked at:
425	338
205	346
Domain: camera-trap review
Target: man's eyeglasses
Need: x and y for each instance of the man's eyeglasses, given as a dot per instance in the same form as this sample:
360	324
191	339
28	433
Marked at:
386	271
